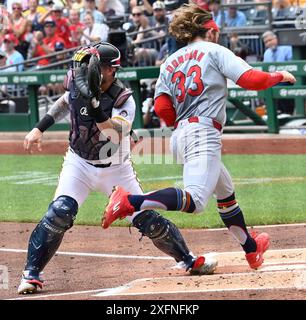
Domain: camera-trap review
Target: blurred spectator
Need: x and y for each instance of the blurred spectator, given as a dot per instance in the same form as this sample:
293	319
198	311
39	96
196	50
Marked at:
241	52
62	29
162	54
132	4
12	55
144	54
146	4
214	8
160	17
76	28
141	23
28	36
93	32
77	5
58	88
111	7
150	119
6	104
281	4
18	25
41	46
35	14
235	18
9	5
238	47
274	52
98	15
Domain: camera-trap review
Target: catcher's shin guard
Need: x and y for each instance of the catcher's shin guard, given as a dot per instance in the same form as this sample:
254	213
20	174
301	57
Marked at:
48	234
164	235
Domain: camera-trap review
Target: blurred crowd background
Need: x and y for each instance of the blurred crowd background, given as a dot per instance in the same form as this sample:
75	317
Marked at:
43	34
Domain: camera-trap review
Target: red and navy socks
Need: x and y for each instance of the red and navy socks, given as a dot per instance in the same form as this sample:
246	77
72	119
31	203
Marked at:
232	217
171	199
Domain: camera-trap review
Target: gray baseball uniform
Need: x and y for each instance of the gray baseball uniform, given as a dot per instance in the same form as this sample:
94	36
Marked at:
195	78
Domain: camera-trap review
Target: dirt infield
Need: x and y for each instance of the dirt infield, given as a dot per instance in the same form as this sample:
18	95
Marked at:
112	264
57	142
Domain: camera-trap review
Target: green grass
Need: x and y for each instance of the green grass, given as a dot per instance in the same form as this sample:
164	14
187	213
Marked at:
281	199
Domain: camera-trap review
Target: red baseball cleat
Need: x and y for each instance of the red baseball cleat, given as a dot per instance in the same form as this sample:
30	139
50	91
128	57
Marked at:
118	207
255	259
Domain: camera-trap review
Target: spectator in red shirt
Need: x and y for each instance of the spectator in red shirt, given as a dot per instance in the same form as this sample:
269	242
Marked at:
62	23
42	46
76	28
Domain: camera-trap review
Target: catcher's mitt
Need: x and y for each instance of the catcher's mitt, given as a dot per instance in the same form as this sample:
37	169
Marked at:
88	76
94	76
88	80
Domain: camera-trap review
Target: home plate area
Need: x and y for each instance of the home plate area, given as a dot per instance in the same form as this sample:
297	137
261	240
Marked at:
284	269
95	265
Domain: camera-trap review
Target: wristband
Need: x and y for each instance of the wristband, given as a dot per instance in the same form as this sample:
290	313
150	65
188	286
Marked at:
46	122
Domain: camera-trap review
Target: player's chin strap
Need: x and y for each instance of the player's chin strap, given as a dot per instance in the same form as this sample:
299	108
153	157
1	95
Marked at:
164	235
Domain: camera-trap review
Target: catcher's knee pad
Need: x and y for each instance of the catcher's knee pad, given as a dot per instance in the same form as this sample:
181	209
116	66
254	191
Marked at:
48	234
164	235
151	224
61	214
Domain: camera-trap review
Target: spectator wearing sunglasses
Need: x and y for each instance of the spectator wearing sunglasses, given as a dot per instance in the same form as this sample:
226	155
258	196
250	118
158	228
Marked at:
62	23
18	25
144	54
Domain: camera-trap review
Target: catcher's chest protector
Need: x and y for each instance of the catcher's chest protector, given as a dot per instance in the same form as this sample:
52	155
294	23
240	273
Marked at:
85	137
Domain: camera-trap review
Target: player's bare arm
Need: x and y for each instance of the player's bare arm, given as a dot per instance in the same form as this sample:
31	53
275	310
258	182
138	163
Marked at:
56	113
121	126
60	109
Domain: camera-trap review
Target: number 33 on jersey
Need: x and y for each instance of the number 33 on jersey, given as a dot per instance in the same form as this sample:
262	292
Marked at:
195	78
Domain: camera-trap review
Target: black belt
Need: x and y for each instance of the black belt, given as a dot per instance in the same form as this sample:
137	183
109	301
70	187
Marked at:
106	165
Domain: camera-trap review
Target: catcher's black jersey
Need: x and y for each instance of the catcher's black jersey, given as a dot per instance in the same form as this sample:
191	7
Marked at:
85	137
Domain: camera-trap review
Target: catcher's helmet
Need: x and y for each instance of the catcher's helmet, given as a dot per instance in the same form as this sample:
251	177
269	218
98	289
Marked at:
109	54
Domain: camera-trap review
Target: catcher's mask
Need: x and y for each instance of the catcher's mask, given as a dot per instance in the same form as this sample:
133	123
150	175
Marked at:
108	55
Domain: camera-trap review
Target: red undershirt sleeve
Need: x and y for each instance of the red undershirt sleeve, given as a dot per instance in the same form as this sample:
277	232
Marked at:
163	107
259	80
